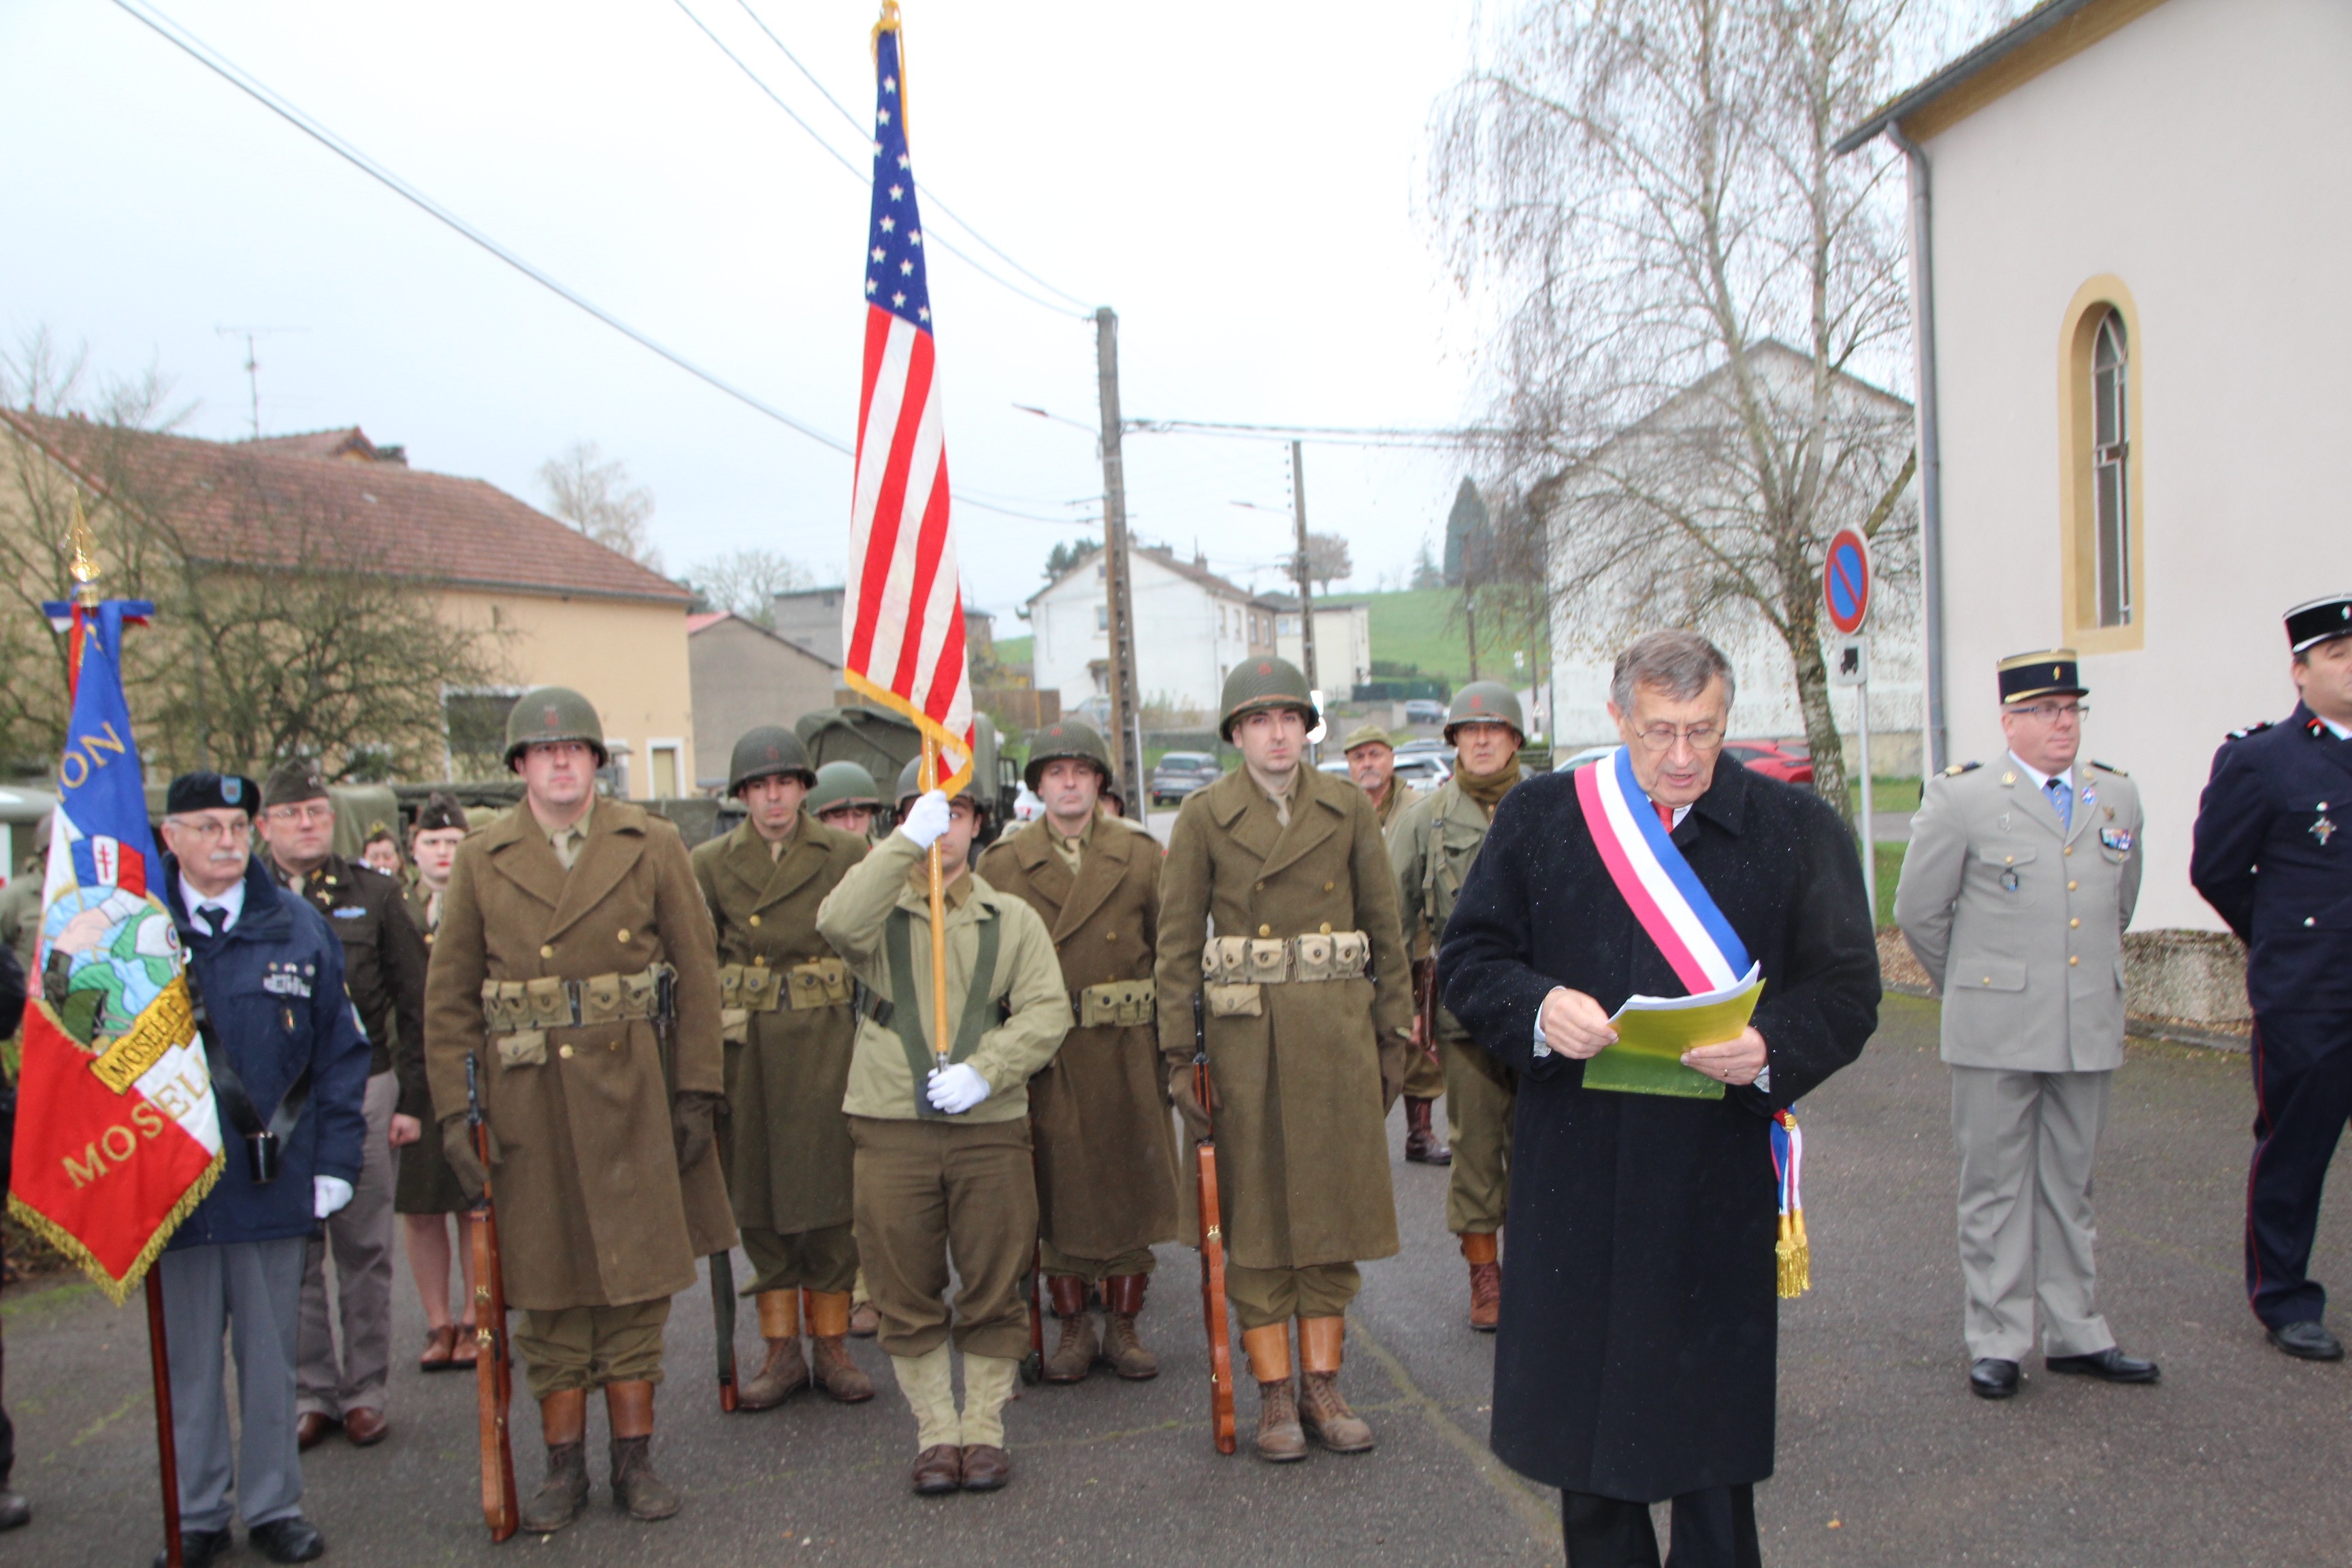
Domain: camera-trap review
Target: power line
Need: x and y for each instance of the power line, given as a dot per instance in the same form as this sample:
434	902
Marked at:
865	178
1329	435
928	195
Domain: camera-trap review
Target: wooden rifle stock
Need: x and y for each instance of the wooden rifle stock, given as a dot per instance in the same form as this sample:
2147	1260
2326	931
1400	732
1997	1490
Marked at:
1212	1245
723	1322
1425	1003
1033	1366
493	1362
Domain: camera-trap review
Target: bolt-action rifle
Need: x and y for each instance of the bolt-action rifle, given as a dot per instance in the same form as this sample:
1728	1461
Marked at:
1213	1243
493	1363
1425	1007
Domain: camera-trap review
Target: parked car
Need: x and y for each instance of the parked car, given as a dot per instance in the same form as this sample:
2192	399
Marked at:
1425	710
1423	770
1589	754
1426	743
1791	762
1179	774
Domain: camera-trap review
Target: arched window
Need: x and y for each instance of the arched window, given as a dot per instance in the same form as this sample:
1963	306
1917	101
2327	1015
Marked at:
2110	478
2102	488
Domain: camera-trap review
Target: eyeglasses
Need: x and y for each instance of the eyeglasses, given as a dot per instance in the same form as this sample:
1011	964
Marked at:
207	829
1661	737
305	811
2050	711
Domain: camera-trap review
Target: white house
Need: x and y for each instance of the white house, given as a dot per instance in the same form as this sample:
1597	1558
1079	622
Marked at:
1191	628
1343	642
2133	214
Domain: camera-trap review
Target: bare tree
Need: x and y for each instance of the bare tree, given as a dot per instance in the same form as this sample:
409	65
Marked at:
597	498
1643	195
748	581
1327	560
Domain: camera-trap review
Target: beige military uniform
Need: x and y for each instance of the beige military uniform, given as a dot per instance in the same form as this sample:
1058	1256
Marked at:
1424	1079
2018	917
1432	844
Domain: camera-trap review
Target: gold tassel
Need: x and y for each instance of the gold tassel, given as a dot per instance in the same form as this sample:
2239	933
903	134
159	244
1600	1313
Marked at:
1795	1256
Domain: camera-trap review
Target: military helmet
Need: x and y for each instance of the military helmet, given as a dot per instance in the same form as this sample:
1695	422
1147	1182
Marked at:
910	785
546	714
1072	738
842	783
1263	682
766	752
1484	703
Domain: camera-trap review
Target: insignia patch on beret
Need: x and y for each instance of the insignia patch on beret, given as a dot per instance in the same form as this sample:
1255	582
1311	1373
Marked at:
231	788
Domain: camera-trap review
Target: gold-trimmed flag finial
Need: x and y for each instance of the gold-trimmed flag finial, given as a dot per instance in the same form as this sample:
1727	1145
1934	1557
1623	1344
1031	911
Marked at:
83	565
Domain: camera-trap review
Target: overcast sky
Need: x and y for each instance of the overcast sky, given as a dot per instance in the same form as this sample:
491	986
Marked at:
1243	183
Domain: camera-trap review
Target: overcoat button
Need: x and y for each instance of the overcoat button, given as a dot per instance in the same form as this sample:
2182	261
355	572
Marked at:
547	952
755	920
2070	886
1327	928
1329	886
2072	962
2075	922
563	1051
624	935
1110	936
1265	931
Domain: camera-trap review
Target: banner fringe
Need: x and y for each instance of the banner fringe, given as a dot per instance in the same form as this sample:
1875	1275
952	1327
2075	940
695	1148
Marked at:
115	1291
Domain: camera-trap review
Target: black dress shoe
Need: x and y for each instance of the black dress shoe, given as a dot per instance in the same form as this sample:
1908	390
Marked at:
2109	1365
2307	1340
198	1548
1993	1378
289	1539
14	1510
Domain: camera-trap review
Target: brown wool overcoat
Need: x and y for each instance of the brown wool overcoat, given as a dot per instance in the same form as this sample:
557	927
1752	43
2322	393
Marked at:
592	1210
1302	1092
789	1152
1106	1135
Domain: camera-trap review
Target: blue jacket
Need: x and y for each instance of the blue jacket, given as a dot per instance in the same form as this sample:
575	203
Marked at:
2274	857
273	983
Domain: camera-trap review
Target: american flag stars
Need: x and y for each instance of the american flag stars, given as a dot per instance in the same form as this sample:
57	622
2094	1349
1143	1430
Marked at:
895	277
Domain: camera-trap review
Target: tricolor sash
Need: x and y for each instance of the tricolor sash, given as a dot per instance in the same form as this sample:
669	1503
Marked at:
1666	895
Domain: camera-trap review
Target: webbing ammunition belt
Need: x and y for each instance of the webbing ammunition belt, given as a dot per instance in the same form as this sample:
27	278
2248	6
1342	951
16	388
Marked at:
1233	968
980	1008
519	1013
756	988
1114	1004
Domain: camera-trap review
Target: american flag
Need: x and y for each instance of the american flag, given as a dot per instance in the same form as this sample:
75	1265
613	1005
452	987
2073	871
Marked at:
902	617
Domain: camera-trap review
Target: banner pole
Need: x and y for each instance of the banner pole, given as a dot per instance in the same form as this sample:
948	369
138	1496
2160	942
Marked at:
167	1450
929	778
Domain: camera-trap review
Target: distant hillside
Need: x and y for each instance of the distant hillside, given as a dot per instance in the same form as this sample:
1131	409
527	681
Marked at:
1015	650
1419	627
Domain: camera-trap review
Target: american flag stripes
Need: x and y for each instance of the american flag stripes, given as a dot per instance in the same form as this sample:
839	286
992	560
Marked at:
902	616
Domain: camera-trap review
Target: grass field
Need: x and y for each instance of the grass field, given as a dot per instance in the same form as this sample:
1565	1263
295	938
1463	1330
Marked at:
1418	626
1015	650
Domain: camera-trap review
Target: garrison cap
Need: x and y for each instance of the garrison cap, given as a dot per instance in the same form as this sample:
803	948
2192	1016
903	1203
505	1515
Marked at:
440	812
2319	621
211	791
547	714
1486	702
842	785
289	782
2053	673
1366	734
768	752
1066	738
1264	682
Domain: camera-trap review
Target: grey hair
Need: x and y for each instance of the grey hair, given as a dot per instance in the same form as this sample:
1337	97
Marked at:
1680	663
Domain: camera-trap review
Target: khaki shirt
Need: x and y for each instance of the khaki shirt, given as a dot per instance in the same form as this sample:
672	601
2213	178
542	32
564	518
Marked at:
1027	982
1433	843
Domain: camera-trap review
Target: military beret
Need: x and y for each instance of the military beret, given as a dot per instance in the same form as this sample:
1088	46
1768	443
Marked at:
439	812
210	792
1366	734
291	781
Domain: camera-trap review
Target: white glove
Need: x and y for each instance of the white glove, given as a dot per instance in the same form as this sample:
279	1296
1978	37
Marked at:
927	819
957	1090
328	1193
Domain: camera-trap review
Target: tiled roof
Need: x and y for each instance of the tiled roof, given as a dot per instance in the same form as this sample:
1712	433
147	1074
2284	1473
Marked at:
349	442
265	504
703	622
1161	556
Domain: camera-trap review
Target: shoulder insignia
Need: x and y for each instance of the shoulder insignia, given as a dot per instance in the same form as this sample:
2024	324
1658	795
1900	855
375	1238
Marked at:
2250	730
1956	769
2109	768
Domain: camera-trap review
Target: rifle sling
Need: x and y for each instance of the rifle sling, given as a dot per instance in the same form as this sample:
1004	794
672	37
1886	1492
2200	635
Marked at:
906	1017
229	1089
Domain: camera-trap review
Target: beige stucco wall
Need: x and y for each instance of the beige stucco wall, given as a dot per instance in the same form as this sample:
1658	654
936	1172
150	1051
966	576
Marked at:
744	678
628	658
2195	155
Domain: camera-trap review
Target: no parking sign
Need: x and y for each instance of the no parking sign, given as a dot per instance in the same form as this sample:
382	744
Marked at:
1845	581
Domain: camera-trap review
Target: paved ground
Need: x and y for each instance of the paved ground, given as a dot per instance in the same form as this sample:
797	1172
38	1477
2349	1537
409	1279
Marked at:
2239	1458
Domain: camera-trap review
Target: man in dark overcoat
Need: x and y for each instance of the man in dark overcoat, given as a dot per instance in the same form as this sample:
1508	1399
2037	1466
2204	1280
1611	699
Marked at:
1636	1361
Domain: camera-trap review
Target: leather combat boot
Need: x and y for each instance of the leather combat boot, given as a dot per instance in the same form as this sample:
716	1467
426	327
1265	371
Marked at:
1486	1282
636	1487
1122	1299
1279	1440
1074	1353
563	1422
1322	1409
784	1373
828	1319
1421	1144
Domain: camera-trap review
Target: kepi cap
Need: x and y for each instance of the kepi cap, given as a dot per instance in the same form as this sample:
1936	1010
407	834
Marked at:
2319	621
2052	672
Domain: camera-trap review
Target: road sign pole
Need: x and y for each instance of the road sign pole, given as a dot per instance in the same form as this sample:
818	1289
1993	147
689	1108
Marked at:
1869	839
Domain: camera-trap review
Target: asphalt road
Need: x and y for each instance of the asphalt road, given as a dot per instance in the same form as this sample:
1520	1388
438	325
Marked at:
2238	1457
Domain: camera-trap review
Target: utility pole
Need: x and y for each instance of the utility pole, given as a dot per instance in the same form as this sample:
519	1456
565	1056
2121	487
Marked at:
1125	712
1305	587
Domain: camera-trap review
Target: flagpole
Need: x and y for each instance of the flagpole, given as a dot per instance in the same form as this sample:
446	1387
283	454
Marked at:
930	779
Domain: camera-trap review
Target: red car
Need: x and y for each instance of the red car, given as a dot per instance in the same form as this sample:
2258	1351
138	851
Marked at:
1791	762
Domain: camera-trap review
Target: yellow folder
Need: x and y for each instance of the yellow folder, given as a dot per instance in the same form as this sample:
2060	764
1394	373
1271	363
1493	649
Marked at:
1653	1033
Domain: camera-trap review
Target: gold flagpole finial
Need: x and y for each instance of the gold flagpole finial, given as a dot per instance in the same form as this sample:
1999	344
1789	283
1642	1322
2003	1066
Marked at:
84	564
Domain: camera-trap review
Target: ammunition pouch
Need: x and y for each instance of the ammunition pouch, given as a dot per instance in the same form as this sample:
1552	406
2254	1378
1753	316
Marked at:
819	983
519	1013
1234	968
1114	1003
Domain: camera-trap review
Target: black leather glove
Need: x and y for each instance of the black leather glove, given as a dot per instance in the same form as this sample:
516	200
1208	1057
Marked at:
1187	1106
457	1148
693	1119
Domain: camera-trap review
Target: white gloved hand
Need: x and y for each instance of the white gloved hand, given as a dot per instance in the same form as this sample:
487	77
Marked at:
957	1090
328	1193
927	819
